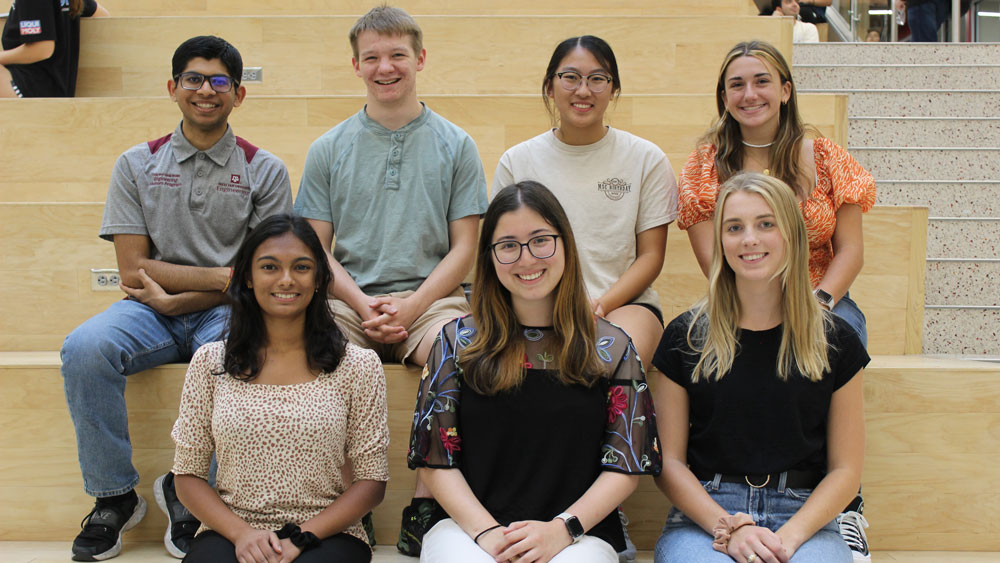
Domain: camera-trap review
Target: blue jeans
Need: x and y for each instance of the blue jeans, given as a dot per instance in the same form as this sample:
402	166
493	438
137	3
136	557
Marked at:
848	310
127	338
683	541
926	18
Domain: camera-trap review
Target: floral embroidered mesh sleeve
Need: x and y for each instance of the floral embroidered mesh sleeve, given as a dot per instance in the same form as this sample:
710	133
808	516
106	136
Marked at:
631	444
434	436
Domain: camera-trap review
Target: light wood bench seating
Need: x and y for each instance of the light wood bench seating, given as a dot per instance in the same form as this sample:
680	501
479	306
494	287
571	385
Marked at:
420	7
50	249
930	479
88	134
130	56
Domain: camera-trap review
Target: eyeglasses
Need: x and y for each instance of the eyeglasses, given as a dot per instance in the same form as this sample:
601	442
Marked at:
596	82
193	81
509	251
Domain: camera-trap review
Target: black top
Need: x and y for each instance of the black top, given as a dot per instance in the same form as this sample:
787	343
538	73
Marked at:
530	453
46	20
750	421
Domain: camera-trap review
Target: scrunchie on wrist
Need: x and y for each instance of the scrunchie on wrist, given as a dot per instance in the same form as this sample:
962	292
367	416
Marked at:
725	528
302	540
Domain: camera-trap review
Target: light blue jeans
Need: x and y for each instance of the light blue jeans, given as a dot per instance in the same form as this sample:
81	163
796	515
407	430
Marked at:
848	310
127	338
683	541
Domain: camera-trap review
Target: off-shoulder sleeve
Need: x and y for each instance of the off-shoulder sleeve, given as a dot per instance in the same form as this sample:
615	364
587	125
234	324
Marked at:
368	421
631	445
192	433
435	437
849	181
698	188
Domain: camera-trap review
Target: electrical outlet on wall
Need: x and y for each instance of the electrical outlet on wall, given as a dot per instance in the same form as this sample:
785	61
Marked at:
104	279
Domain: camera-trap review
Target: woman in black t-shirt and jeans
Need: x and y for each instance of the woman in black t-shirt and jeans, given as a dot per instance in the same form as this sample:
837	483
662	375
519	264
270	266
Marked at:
41	47
761	416
533	418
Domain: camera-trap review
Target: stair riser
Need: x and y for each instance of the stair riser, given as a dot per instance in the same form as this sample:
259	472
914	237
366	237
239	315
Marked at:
902	132
946	199
929	164
897	77
963	239
899	53
962	331
962	283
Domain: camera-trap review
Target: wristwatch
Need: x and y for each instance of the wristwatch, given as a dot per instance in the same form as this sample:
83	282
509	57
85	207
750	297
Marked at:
824	298
573	526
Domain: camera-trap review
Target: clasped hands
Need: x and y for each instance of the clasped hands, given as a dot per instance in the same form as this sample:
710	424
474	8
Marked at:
756	544
527	541
263	546
387	318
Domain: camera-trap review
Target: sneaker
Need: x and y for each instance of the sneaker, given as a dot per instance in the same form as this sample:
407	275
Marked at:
101	536
630	553
419	517
852	529
181	524
369	526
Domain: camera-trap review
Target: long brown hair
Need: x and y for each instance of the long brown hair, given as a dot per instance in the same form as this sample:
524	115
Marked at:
493	362
714	331
784	158
75	8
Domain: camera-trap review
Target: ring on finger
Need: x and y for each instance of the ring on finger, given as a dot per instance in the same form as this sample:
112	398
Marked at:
752	558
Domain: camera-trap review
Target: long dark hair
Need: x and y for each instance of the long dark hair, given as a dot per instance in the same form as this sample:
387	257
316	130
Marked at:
493	362
325	343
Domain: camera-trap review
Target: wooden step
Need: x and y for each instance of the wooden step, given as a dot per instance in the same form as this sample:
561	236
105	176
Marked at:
50	249
930	480
90	133
428	7
130	56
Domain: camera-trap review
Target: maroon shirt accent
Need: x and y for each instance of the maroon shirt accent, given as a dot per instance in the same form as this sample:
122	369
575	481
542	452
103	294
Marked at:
248	149
156	144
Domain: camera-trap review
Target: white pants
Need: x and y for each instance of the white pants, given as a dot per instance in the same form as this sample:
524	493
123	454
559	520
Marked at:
447	543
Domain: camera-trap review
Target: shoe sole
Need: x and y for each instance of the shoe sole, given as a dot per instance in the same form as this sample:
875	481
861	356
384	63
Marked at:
137	515
161	501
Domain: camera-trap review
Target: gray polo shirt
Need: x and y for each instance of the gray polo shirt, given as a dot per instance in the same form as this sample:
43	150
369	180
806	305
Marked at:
391	194
195	206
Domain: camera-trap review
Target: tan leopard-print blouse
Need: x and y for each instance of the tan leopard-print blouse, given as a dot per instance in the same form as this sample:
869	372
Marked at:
280	447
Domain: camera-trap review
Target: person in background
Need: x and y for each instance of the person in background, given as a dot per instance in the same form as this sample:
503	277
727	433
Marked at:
802	31
41	47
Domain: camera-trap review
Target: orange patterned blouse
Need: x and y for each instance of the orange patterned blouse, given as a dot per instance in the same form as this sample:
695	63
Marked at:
839	179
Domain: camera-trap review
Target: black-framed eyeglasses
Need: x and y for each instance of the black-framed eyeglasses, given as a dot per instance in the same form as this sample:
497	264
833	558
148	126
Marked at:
509	251
221	83
596	82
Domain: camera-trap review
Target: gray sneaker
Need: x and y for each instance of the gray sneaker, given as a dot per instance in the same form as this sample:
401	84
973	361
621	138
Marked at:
630	553
181	524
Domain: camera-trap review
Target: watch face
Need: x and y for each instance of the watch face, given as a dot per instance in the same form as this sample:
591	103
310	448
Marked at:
574	527
823	297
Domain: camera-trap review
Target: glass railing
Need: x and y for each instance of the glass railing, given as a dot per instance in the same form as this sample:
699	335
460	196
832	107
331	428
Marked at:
885	20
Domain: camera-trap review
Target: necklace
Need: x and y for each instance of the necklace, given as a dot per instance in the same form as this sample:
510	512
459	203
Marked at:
767	170
764	146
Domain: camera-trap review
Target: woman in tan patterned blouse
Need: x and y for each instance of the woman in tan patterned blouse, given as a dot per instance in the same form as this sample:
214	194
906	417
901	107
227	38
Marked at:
283	403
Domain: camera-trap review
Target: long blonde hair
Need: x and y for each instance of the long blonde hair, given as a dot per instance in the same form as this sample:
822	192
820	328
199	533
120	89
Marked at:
714	329
494	361
784	160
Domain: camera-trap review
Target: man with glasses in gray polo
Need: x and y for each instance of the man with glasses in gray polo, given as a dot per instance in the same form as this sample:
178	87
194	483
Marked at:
178	209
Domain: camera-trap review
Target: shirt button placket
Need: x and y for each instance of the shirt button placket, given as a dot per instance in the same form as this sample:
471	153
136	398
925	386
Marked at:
395	157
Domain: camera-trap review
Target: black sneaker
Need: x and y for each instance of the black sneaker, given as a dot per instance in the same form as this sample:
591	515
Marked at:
181	524
419	517
101	537
852	528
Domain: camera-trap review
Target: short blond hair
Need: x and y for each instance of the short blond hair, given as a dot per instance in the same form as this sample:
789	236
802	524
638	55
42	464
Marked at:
387	20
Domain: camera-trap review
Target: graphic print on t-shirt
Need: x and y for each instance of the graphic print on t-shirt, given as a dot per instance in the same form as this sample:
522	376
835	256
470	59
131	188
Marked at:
614	188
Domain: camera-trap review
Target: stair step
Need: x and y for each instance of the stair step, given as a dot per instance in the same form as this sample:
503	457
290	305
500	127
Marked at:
924	131
929	163
973	284
965	331
943	199
964	238
917	103
897	76
896	53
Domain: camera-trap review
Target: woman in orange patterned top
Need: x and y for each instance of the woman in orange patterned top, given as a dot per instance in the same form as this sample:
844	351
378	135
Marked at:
760	130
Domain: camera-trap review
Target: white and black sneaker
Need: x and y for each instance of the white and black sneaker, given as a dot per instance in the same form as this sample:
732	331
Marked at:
181	524
852	529
101	536
630	553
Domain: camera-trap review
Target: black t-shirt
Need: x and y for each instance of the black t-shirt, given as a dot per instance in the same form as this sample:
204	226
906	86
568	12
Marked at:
46	20
529	453
751	422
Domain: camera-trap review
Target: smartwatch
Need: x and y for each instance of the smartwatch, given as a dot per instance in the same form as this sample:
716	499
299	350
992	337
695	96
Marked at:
824	298
573	526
